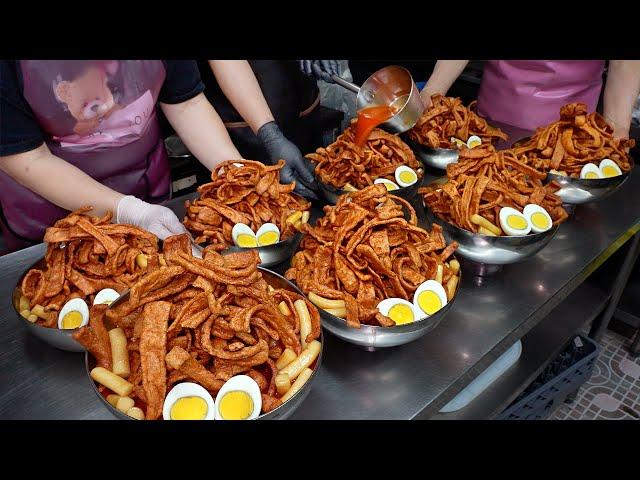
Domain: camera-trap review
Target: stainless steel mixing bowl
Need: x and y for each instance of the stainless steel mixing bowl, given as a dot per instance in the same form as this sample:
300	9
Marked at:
280	413
433	157
58	338
273	254
576	190
372	337
493	250
332	194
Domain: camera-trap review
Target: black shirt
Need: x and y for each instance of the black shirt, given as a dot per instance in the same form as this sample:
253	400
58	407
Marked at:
19	129
286	90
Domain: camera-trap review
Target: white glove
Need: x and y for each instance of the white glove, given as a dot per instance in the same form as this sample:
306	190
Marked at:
156	219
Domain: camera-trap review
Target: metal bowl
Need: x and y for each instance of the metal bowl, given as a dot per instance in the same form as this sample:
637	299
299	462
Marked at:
433	157
493	250
282	412
372	336
332	194
273	254
61	339
576	190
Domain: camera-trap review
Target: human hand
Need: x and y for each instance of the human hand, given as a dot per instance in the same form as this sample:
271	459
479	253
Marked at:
156	219
425	95
297	168
320	69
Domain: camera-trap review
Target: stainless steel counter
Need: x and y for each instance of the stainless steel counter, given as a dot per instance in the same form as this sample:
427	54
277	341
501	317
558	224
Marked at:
411	381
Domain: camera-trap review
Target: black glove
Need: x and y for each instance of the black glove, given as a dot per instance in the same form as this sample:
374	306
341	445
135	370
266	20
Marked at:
321	69
296	168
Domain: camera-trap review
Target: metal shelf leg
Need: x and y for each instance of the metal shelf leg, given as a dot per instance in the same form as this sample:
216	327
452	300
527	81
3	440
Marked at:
600	326
634	349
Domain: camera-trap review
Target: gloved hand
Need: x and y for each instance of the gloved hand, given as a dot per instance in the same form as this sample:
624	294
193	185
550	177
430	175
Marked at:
156	219
297	168
321	69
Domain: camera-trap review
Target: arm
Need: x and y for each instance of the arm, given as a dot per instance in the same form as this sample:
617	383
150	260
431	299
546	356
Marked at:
444	74
240	86
620	94
70	188
58	181
200	128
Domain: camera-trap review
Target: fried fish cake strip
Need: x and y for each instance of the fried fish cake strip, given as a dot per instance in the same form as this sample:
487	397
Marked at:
153	345
179	359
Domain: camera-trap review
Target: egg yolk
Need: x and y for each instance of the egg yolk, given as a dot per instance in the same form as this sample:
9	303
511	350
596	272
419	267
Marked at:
388	186
459	142
189	408
517	222
590	175
72	320
236	405
475	143
408	177
245	240
540	220
429	302
268	238
401	314
609	171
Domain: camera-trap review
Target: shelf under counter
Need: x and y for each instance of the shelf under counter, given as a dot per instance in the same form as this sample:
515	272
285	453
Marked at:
539	348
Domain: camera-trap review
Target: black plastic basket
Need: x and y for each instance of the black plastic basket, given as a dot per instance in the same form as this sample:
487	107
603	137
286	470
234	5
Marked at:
562	377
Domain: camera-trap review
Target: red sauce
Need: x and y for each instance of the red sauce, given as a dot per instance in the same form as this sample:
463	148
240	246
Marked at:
368	119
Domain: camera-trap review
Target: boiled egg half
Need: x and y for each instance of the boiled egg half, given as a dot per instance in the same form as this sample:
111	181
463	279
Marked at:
405	176
243	236
513	222
590	172
398	310
538	218
474	141
387	183
74	314
609	168
268	234
429	297
239	399
188	401
105	296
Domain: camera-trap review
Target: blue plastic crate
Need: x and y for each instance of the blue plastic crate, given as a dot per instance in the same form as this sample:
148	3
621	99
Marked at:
539	400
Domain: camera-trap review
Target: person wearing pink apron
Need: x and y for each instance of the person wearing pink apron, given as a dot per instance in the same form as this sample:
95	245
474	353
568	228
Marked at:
522	95
86	132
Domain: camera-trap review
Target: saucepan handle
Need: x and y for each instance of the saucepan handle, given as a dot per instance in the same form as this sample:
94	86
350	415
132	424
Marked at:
343	83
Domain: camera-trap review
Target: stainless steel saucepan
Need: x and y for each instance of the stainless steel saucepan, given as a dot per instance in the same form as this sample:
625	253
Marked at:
390	86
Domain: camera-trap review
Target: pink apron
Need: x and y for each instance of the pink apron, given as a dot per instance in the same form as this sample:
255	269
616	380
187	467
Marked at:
99	116
529	93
